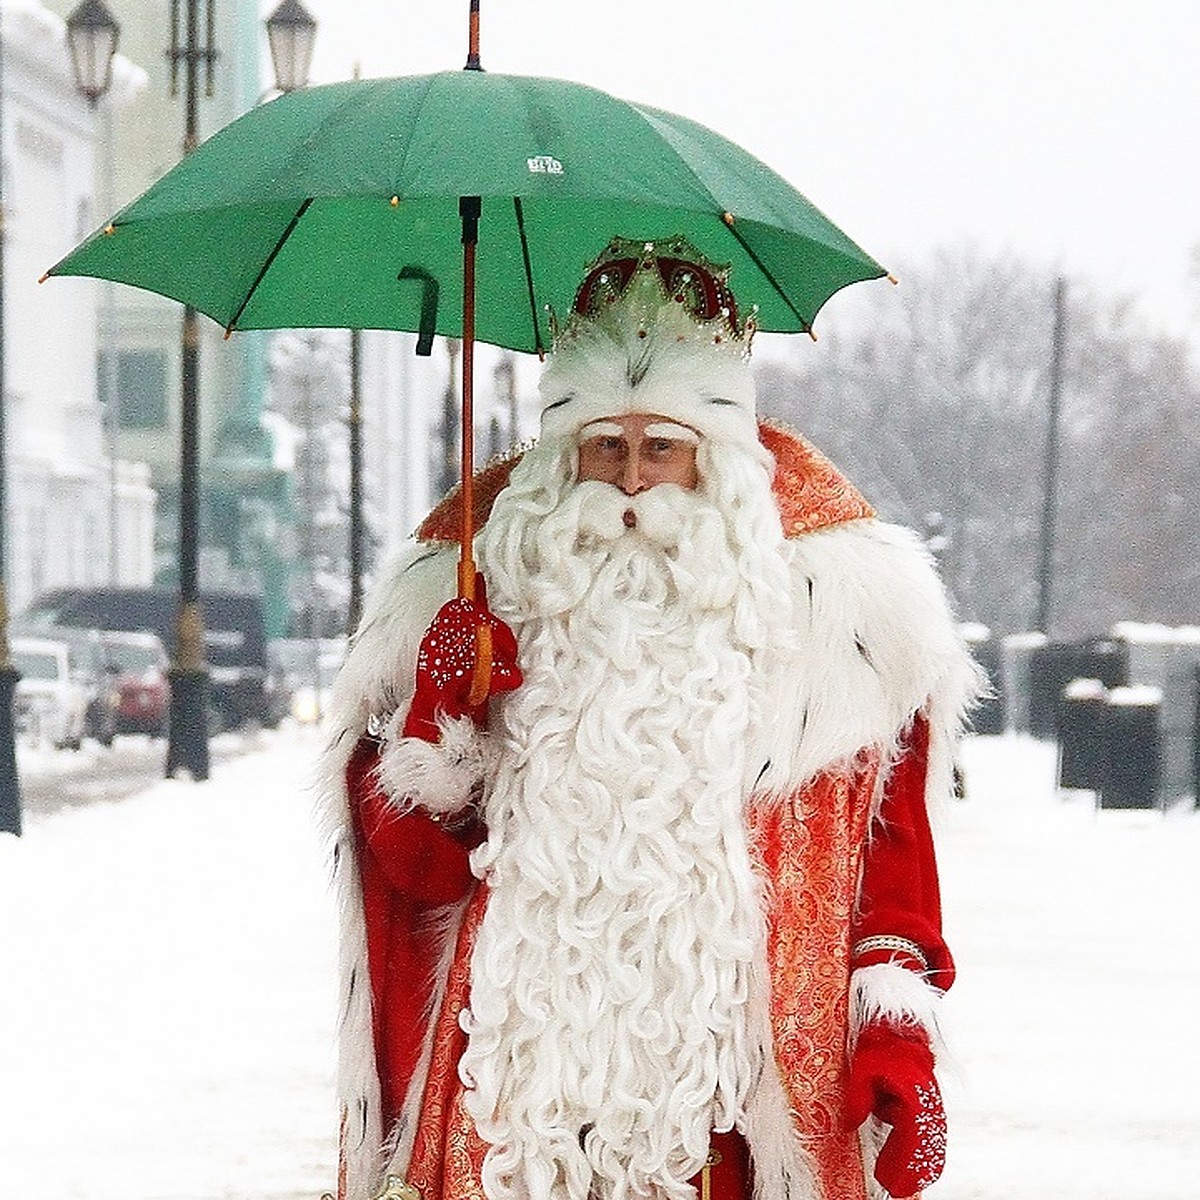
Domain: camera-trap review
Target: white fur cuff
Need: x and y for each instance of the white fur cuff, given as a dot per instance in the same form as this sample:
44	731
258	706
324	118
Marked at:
439	777
893	994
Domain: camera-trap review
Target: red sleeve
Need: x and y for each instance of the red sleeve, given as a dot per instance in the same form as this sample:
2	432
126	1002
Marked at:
418	856
900	898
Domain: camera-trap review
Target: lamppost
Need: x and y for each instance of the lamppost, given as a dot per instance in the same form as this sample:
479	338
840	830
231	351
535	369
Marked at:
92	36
10	788
187	732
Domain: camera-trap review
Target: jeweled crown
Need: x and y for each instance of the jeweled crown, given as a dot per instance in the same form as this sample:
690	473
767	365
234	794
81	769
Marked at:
646	276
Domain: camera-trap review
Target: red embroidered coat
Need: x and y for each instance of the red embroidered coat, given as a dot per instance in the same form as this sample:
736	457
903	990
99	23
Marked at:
842	841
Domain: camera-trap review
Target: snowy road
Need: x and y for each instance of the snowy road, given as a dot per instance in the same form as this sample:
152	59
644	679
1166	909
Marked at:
168	974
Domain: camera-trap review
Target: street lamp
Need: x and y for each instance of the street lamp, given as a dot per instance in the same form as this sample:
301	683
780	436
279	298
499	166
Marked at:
291	35
92	36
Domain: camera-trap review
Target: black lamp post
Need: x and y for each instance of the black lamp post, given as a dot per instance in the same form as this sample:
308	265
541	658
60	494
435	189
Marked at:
10	788
291	35
187	732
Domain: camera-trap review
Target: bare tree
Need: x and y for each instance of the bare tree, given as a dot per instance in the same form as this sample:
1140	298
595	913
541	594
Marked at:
935	405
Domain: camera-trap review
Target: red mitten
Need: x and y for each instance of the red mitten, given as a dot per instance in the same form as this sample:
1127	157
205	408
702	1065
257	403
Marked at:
891	1076
446	665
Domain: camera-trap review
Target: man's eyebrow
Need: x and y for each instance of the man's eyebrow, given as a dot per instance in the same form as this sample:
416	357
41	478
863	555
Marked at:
601	429
673	431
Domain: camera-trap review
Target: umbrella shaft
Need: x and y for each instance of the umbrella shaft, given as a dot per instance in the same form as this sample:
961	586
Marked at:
473	63
469	209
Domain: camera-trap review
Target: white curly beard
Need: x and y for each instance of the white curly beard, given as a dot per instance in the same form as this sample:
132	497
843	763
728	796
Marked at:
607	1024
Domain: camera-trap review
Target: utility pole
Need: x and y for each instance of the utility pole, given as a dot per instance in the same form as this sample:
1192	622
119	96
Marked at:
1050	484
187	739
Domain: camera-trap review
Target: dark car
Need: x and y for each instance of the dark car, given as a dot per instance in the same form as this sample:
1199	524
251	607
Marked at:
137	666
234	637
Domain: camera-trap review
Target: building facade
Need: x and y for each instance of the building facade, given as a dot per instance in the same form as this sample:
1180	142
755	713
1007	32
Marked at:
71	501
243	497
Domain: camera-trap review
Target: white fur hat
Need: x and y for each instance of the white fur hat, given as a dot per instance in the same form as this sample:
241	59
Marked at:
654	329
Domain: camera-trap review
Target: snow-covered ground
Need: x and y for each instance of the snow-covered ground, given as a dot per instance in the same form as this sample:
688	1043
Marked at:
167	991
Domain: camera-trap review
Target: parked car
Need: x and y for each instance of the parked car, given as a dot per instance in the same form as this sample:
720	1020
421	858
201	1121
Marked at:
49	703
85	655
137	667
234	637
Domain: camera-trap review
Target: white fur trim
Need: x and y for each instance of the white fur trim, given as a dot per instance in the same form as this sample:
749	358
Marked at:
377	678
875	644
783	1169
446	925
437	777
893	994
649	362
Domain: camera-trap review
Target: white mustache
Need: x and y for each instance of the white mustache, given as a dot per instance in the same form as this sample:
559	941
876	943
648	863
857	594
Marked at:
606	514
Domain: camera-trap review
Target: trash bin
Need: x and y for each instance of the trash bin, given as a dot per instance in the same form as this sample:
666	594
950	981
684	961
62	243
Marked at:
1055	664
988	715
1132	749
1081	731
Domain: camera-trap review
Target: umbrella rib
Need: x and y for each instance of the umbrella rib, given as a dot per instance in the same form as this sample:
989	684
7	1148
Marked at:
537	332
654	120
758	262
287	233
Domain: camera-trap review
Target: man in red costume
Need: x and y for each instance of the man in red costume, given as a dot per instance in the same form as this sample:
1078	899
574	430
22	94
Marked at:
659	918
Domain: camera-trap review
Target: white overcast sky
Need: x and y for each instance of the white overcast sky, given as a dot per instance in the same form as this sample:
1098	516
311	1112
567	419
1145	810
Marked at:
1061	130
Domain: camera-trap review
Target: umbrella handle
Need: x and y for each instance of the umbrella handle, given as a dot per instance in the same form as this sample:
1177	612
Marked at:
481	677
481	680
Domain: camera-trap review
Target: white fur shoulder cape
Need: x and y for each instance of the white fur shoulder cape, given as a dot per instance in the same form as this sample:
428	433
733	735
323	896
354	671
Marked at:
875	642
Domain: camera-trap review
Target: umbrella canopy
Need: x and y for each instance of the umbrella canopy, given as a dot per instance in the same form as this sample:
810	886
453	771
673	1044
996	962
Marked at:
338	206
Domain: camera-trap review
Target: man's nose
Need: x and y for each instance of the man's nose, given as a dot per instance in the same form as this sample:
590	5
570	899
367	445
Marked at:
632	481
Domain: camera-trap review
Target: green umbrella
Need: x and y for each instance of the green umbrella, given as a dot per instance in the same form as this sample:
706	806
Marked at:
308	210
357	205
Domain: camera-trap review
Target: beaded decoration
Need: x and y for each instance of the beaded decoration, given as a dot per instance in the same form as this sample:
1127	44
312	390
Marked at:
648	275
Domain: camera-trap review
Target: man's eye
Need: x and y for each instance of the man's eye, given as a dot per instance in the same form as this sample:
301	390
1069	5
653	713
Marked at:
663	446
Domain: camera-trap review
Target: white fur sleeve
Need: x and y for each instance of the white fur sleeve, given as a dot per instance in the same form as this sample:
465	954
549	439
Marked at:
375	688
439	777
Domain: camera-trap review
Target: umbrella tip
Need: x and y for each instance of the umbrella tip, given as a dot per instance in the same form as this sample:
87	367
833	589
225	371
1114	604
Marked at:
110	228
727	217
44	277
811	334
228	333
892	279
395	201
